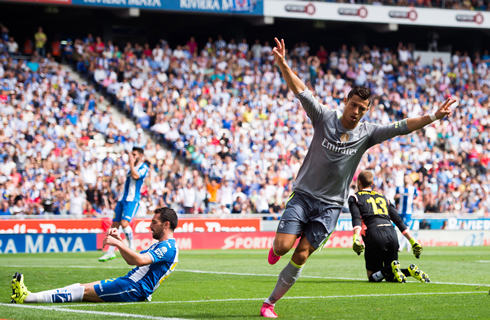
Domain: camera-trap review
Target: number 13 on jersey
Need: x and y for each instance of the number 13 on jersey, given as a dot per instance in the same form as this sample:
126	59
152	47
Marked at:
378	201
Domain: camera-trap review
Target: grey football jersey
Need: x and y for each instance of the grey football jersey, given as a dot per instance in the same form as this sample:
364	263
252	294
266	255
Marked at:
335	152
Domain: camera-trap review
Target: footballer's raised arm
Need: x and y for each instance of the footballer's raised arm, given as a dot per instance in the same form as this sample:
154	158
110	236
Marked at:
294	83
420	122
309	103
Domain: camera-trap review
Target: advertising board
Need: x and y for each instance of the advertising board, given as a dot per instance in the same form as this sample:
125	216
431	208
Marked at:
39	243
377	14
246	7
140	225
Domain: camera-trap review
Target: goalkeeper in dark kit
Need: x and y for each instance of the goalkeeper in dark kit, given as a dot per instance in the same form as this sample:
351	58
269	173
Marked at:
372	215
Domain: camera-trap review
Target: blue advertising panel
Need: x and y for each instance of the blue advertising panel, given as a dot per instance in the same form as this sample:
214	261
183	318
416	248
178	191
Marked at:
248	7
47	242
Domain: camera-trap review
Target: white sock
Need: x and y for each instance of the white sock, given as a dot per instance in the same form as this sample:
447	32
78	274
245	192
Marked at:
71	293
129	235
111	249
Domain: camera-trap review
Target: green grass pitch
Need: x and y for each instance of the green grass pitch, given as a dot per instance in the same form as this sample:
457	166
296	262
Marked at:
215	284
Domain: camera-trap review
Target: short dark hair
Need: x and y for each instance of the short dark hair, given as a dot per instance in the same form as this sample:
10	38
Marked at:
366	178
139	150
362	92
167	214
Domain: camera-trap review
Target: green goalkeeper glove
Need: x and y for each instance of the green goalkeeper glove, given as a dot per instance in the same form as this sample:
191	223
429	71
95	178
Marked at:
416	247
357	246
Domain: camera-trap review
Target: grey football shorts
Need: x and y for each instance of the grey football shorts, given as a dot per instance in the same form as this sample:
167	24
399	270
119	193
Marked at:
314	219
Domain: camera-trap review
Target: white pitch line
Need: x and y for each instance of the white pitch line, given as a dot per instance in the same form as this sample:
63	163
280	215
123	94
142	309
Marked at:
286	298
116	314
243	274
81	267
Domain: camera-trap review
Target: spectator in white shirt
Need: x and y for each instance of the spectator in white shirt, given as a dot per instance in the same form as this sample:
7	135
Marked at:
157	53
137	82
188	196
100	74
261	203
12	46
77	199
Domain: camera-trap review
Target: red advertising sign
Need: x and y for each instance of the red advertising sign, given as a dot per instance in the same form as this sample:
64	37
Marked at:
139	225
55	226
206	225
229	240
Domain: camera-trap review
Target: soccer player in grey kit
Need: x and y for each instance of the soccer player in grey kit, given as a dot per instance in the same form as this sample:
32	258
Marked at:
322	184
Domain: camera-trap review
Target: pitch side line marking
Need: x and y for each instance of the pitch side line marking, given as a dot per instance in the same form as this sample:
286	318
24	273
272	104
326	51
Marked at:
286	298
116	314
240	274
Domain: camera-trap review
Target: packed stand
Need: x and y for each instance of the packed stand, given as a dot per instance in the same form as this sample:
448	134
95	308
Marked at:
62	150
224	108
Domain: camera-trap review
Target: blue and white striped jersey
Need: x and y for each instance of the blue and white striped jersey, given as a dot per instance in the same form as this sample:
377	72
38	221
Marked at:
132	187
407	195
164	256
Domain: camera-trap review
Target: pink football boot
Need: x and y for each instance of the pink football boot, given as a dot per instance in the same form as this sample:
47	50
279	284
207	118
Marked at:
267	310
272	257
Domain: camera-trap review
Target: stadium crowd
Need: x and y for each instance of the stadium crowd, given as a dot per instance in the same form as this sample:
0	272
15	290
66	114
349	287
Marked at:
224	110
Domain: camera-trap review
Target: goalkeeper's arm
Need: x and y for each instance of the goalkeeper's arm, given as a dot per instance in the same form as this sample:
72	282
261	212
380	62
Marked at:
395	217
356	224
416	247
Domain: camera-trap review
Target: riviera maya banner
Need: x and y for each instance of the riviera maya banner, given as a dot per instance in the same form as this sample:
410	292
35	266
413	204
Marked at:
249	7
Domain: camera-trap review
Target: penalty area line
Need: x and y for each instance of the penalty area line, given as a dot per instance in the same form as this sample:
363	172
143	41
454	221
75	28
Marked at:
116	314
283	298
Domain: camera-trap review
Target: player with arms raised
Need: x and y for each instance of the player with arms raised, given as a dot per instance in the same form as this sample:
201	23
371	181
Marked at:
372	214
128	202
154	265
322	184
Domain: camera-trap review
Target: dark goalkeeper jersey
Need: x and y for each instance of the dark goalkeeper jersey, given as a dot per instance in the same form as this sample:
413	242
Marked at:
370	209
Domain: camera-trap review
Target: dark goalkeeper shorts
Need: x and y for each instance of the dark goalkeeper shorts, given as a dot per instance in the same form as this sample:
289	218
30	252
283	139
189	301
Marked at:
381	247
315	219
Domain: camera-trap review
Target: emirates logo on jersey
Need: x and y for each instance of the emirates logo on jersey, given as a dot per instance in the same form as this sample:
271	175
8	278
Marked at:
340	147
